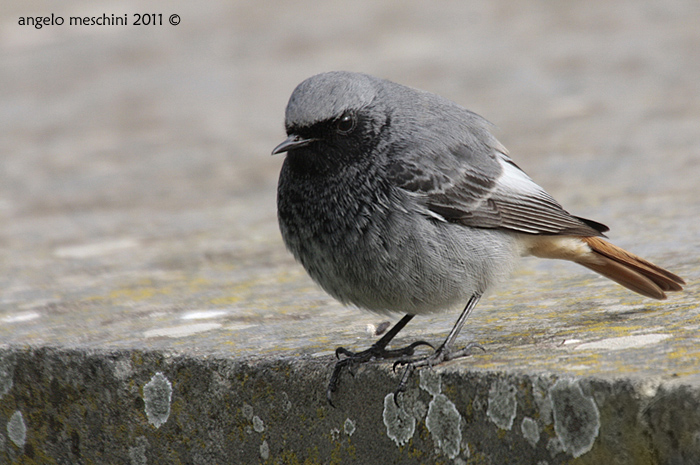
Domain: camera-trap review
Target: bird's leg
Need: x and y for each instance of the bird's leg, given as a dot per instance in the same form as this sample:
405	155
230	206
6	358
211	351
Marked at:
378	350
444	352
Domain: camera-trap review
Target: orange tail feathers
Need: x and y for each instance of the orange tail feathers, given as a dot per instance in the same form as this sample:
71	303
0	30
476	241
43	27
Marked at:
629	270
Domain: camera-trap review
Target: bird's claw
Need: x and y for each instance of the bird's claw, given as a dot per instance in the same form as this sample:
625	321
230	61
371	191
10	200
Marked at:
440	355
354	358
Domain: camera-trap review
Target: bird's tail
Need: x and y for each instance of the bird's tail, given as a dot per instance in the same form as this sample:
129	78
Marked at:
601	256
629	270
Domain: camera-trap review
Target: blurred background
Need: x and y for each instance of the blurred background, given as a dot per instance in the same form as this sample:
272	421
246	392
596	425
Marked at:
137	186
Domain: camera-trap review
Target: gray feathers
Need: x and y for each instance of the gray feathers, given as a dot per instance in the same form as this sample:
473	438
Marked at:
396	199
439	151
326	96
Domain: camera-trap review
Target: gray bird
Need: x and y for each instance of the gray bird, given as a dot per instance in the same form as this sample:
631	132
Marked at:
398	200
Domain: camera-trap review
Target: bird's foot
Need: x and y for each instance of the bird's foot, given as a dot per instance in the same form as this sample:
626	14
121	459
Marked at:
353	359
442	354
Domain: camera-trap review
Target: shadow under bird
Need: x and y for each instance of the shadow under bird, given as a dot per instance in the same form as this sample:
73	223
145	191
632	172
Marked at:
398	200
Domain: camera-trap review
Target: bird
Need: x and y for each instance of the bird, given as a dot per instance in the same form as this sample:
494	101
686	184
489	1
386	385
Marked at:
397	200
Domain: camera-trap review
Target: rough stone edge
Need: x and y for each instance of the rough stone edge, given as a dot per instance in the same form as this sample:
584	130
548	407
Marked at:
133	406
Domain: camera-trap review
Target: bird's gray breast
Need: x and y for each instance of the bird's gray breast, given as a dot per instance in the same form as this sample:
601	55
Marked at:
370	245
336	226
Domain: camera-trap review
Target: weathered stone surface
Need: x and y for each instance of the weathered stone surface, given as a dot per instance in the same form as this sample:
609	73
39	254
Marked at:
148	310
86	406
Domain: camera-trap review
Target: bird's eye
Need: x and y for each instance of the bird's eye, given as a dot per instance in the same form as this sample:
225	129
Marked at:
345	124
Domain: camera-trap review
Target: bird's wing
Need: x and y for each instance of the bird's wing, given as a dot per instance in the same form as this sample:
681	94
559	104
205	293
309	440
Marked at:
486	190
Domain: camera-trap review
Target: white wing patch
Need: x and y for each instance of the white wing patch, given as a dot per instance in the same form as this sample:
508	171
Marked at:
514	180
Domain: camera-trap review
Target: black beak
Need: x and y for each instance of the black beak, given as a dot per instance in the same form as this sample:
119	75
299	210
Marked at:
290	143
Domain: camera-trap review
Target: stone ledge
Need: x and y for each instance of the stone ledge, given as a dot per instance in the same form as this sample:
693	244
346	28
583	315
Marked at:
137	407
